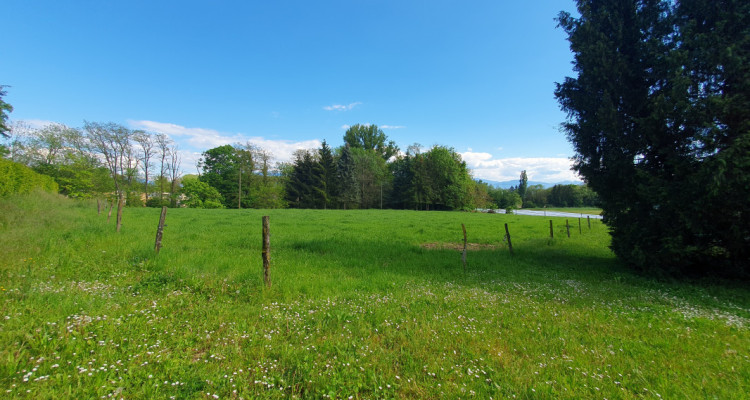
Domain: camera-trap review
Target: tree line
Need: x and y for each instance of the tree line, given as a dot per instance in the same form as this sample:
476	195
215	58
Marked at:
537	196
367	171
107	160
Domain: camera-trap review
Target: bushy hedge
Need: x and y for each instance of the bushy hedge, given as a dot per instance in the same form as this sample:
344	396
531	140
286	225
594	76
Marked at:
18	179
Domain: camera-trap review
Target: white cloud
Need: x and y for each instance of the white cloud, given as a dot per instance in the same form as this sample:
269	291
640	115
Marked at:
342	107
193	141
283	150
392	127
540	169
196	137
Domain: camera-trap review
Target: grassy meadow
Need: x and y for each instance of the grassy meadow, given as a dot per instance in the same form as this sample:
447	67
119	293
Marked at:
364	305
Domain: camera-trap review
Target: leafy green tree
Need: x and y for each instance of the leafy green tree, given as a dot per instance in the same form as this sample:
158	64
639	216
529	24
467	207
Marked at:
449	179
536	196
659	115
480	195
370	137
76	177
199	194
219	166
506	199
566	196
437	179
5	109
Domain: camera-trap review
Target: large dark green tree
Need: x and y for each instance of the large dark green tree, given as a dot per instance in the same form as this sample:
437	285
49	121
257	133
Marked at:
348	188
659	115
305	186
329	184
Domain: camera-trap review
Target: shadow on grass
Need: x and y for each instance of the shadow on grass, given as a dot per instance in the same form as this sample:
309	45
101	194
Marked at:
535	261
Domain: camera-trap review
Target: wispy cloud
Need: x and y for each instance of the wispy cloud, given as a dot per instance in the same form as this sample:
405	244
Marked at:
541	169
392	127
342	107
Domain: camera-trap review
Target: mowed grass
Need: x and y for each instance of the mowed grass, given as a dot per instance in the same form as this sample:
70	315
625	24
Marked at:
364	305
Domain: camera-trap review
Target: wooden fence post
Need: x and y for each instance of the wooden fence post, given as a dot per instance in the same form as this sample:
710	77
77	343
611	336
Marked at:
567	225
507	234
266	251
579	226
98	207
551	232
463	255
588	218
160	229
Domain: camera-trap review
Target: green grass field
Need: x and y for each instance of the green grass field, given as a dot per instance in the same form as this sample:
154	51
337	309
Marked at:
364	305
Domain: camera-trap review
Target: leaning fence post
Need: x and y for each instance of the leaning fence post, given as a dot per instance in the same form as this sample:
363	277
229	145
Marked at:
266	251
463	255
551	232
160	229
567	225
507	234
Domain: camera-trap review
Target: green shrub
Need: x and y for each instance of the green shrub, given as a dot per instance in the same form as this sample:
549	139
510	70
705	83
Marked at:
157	202
19	179
133	199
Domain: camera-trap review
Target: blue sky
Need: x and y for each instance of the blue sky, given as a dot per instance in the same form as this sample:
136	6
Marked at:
477	76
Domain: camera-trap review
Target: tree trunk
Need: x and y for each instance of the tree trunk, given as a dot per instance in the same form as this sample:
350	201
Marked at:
120	202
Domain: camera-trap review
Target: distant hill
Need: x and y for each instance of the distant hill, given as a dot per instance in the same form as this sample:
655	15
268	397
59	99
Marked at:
546	185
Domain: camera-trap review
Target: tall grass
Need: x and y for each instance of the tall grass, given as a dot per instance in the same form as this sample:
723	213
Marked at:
364	304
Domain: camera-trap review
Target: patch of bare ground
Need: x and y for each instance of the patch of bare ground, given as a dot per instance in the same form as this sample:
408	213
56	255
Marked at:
457	246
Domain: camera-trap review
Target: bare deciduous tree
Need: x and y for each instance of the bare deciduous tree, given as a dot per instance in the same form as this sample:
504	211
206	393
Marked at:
113	142
175	171
162	143
146	152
